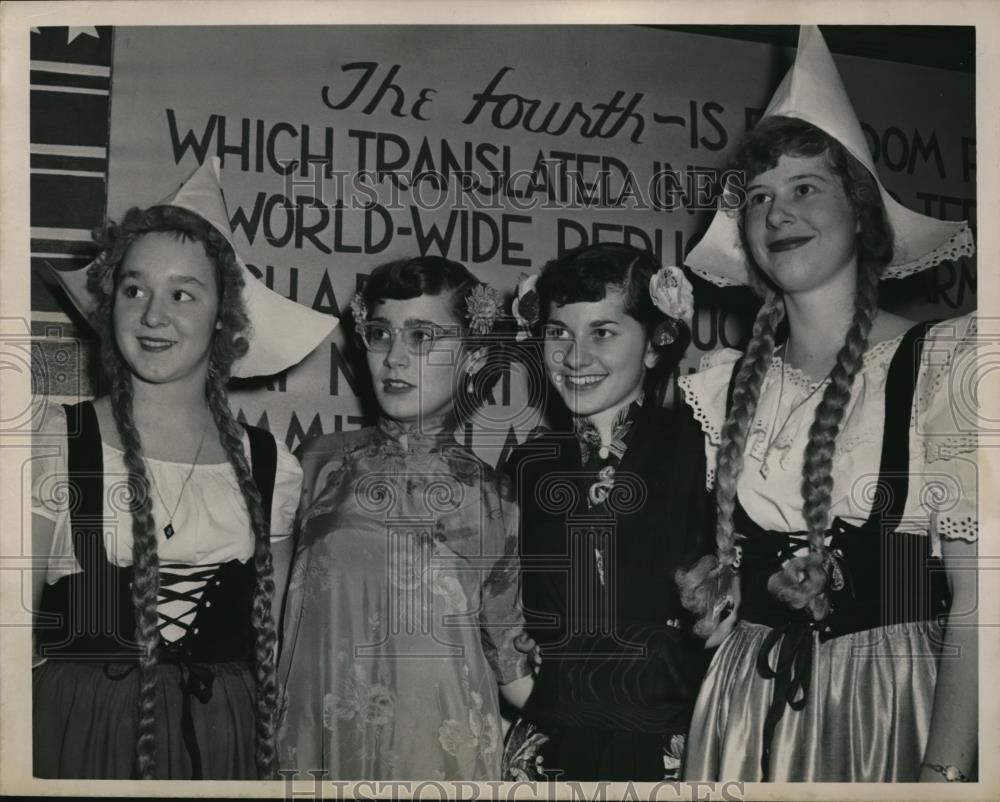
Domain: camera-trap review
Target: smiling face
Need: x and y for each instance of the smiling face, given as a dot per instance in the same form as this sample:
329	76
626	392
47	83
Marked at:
166	309
799	224
596	354
411	387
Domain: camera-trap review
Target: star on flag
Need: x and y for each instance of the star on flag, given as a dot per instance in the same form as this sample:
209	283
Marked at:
73	32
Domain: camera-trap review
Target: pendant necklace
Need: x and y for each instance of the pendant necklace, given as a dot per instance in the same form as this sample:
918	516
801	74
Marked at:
169	530
776	433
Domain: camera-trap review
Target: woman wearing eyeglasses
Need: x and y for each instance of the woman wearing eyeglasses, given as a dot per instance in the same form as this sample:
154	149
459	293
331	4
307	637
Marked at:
403	603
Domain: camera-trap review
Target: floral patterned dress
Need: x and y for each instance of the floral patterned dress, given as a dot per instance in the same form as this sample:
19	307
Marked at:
401	611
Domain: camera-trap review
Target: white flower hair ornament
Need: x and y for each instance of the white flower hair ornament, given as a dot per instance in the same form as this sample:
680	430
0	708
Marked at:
672	294
484	305
525	307
360	313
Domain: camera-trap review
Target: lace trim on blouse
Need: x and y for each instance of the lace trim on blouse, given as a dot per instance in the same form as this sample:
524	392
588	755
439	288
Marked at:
943	441
711	421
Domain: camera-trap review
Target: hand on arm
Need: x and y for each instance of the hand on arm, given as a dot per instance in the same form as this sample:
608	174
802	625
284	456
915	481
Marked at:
525	644
516	693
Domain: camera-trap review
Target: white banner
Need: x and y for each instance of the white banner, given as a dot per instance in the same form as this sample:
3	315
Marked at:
346	147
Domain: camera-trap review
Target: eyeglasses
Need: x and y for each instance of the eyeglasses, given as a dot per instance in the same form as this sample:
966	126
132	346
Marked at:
378	337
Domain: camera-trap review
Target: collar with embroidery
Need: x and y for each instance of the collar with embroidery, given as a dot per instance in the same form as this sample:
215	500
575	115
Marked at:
587	436
424	436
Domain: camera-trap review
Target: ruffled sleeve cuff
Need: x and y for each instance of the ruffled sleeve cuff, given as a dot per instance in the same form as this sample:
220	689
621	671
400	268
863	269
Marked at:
705	392
51	494
287	489
48	461
944	471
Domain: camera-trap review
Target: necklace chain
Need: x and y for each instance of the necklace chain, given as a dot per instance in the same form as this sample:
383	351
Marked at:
168	530
775	431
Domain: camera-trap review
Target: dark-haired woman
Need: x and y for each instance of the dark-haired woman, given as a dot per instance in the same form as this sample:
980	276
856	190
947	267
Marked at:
845	487
156	510
403	604
612	503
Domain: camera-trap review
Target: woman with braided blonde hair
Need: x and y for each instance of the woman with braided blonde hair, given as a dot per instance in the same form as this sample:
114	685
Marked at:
845	490
156	638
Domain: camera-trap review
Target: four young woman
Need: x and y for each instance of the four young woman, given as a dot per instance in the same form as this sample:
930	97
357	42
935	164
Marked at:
844	498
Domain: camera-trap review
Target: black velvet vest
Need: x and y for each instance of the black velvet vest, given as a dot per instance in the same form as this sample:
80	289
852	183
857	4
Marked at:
882	576
89	615
878	575
617	652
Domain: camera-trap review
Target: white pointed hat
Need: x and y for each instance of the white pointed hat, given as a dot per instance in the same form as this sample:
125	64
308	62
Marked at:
282	332
812	91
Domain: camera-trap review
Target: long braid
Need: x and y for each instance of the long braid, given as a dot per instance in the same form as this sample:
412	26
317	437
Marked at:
265	637
802	583
712	578
746	394
228	345
803	580
145	560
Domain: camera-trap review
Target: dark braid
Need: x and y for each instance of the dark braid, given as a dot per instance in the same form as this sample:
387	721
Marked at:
711	578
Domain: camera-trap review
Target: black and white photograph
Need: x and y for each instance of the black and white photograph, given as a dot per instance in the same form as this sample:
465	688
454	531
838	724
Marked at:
483	402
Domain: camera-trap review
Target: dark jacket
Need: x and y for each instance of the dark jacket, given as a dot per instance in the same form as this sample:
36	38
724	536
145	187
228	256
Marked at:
617	653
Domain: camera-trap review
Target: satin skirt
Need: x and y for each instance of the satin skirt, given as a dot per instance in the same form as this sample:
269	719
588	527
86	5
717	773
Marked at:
866	718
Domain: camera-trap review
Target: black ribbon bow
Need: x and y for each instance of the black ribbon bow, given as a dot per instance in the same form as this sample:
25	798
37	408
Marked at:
791	675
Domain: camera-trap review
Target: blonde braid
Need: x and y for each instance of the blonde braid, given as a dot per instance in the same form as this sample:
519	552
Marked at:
712	577
228	345
145	564
265	637
802	582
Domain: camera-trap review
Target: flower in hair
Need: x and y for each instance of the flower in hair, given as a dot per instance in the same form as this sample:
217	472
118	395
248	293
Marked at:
672	294
526	306
483	305
360	312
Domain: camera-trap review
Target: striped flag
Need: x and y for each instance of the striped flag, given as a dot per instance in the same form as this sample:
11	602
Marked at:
69	126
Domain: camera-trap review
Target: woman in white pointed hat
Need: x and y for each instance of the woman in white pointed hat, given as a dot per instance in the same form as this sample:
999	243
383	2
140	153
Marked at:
845	484
156	510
